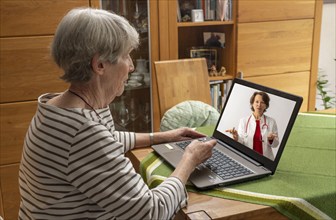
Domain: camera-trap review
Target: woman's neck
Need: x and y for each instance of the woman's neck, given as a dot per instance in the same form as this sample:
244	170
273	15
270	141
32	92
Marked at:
257	116
91	96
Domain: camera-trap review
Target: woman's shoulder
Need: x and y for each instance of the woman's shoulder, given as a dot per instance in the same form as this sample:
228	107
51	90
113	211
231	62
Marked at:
45	98
245	118
269	118
75	116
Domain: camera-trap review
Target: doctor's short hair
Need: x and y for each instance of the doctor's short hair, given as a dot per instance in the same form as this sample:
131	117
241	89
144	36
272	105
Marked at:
264	97
85	32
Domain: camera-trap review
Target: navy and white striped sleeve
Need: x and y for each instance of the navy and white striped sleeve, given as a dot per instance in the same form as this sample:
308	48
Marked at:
126	138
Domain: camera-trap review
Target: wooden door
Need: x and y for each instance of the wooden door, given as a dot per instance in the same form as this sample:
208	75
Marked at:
277	44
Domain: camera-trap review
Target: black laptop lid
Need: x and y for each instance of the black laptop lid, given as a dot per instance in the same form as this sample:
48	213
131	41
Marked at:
282	112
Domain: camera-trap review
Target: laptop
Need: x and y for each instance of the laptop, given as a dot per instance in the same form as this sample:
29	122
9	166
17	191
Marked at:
235	161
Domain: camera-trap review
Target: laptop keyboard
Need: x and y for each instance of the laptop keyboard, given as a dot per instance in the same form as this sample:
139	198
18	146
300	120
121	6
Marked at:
222	165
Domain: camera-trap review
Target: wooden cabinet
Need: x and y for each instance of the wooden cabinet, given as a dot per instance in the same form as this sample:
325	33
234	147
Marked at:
177	38
133	109
10	195
33	17
266	48
15	119
272	42
27	71
278	43
274	10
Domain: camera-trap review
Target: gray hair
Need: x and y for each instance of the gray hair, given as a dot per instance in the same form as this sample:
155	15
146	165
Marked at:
85	32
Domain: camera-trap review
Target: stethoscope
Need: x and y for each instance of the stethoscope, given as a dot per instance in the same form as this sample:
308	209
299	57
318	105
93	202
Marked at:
262	127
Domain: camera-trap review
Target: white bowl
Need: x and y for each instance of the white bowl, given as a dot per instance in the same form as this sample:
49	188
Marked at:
133	83
137	76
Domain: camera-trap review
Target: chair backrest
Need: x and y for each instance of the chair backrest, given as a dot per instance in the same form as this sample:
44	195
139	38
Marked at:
181	80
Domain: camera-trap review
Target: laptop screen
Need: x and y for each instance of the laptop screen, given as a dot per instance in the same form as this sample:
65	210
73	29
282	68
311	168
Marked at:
257	120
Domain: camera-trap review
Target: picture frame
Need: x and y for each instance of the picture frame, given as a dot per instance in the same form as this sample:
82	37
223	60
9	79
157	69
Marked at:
197	15
214	39
210	54
185	8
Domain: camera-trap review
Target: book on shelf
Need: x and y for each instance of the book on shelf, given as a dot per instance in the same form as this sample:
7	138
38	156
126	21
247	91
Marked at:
179	18
212	9
218	96
224	8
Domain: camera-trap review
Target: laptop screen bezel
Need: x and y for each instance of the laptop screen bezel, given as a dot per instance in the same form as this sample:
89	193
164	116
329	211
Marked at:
264	161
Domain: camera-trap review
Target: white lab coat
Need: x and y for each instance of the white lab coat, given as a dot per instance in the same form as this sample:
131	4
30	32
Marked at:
246	130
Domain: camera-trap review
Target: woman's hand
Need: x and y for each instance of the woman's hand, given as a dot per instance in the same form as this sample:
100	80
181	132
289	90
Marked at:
180	134
234	133
199	151
271	136
195	153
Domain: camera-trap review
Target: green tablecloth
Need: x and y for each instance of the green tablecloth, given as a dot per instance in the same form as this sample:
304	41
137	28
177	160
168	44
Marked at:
304	185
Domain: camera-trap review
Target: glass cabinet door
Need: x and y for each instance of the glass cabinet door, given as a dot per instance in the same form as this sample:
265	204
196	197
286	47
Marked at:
132	110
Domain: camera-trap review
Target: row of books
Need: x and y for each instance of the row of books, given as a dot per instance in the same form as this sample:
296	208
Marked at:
218	97
212	9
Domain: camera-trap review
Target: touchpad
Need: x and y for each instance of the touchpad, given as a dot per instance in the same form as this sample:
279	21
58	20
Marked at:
173	157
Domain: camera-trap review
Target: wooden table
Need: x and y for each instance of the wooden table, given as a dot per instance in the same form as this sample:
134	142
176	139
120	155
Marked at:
207	207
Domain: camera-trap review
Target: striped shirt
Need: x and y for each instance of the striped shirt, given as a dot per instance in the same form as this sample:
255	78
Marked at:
74	167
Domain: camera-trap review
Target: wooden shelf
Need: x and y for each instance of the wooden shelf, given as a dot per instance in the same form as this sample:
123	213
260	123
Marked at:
226	77
205	23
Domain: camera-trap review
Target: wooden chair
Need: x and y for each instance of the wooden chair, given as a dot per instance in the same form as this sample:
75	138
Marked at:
181	80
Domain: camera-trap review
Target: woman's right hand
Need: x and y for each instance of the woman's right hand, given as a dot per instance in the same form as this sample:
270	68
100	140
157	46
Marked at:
195	153
199	151
234	133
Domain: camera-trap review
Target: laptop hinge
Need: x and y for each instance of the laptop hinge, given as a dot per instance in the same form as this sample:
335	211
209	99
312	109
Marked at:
239	153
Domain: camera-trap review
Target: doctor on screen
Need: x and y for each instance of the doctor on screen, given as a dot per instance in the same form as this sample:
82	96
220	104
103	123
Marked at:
258	131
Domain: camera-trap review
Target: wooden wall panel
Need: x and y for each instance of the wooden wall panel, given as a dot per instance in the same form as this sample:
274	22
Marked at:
155	56
15	119
10	191
288	83
27	69
95	3
274	10
34	17
1	202
274	47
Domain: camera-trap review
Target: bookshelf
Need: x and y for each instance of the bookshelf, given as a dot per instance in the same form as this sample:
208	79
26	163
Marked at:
188	34
176	38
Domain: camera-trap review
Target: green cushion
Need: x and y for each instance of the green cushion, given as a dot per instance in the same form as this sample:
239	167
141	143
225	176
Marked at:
189	114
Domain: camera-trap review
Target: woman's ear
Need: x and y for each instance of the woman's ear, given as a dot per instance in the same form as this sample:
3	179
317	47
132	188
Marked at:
97	66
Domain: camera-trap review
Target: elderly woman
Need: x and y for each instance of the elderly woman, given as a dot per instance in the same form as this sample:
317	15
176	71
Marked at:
258	131
73	164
